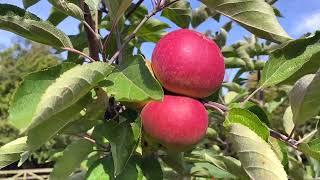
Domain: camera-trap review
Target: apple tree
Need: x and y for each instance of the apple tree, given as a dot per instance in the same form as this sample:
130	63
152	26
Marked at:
173	117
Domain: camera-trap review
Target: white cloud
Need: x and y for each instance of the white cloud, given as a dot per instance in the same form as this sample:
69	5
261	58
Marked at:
309	23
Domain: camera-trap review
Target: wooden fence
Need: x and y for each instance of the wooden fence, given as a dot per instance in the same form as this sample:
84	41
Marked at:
25	174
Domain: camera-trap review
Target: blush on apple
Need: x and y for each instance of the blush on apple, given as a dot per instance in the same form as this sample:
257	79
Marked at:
177	122
188	63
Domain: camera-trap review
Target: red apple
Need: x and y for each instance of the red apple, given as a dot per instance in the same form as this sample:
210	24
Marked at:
177	122
187	62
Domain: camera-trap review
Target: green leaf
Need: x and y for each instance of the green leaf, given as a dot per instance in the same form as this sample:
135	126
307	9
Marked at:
225	163
292	59
53	125
258	111
280	149
93	4
10	153
304	98
29	3
151	168
152	30
248	119
297	169
175	161
68	8
72	156
80	42
28	25
133	82
311	148
68	89
56	16
123	139
256	155
287	122
104	169
92	116
179	13
209	170
28	95
201	14
117	8
256	16
101	169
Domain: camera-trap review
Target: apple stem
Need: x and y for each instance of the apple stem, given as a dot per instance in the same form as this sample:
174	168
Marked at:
214	107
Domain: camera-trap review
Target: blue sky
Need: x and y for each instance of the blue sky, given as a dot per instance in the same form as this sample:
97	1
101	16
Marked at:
300	16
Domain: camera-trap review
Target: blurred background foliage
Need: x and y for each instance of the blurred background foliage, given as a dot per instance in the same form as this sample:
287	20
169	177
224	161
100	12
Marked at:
22	58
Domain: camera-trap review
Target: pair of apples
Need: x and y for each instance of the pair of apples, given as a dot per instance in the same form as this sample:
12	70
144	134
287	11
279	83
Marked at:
191	65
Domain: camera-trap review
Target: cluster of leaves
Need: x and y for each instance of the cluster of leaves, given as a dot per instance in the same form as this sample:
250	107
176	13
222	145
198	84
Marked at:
17	61
85	100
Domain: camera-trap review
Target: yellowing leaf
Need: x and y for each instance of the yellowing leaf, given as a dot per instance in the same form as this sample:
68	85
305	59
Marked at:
10	153
256	155
304	98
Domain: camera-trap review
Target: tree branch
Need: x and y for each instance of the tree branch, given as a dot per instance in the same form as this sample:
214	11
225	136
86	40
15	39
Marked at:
289	141
251	95
79	52
286	139
91	34
133	34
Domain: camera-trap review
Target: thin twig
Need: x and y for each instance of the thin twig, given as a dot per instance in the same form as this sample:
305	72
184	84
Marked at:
86	137
89	28
251	95
97	36
133	34
79	52
289	141
212	106
312	133
104	146
220	106
286	139
291	133
89	139
135	7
